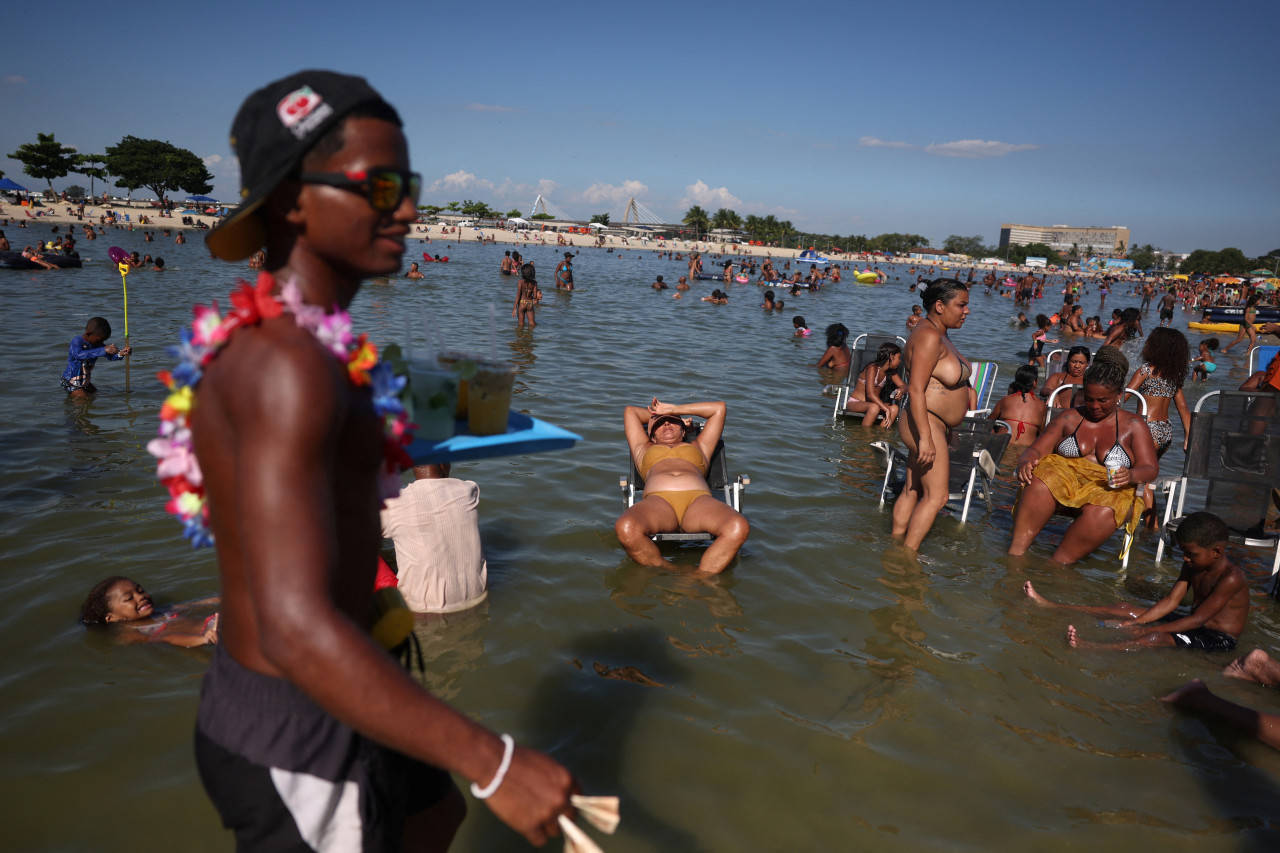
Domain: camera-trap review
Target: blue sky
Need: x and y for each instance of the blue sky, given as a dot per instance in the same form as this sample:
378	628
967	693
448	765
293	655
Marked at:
850	118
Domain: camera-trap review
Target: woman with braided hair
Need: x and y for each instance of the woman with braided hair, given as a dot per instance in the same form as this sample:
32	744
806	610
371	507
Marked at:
1090	459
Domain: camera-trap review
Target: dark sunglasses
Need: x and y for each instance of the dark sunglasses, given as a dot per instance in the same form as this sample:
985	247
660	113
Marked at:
384	188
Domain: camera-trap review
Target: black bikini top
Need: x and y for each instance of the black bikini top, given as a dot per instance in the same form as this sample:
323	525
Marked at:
1116	456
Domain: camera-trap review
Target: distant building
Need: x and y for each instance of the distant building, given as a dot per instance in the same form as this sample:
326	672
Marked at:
1092	240
929	254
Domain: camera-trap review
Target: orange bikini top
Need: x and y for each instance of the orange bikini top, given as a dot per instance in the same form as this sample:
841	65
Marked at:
690	453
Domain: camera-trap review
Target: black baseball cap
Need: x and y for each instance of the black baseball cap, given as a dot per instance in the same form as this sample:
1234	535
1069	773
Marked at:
274	129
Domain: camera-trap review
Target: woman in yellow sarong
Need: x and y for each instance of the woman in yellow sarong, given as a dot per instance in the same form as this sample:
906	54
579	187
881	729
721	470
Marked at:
1067	466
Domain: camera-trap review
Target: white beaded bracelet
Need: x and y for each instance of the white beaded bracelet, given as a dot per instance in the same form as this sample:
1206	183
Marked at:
492	788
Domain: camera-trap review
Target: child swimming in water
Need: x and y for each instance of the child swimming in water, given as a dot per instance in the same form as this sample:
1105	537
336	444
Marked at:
119	599
802	329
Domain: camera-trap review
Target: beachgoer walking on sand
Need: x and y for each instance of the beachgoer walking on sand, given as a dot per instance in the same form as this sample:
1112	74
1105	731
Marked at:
301	706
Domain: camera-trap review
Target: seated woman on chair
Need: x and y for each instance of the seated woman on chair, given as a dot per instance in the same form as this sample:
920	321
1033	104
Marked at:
1090	458
1022	408
1077	361
676	495
879	380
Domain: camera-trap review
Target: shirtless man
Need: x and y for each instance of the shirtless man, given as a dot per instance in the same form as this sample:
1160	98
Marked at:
938	377
307	728
695	266
4	242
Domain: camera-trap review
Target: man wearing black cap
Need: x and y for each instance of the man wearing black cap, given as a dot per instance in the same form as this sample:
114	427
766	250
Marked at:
564	272
309	735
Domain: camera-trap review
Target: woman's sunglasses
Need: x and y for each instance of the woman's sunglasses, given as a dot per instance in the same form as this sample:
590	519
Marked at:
384	188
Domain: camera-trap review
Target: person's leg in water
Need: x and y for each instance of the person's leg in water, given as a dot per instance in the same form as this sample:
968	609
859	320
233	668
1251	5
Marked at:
1156	639
925	492
1257	666
1195	696
729	527
1120	610
634	527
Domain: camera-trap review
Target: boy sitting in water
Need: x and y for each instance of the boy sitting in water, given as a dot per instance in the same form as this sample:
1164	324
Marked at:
85	351
119	599
1219	609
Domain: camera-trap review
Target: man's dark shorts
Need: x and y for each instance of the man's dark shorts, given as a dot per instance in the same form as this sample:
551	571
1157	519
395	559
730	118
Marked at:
1166	313
284	775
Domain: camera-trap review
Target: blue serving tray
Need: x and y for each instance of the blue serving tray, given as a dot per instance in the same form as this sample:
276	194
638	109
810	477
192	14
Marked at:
524	435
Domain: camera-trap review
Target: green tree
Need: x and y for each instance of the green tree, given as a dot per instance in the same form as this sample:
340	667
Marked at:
430	209
159	166
1144	257
452	207
726	218
513	214
1019	254
477	209
602	218
45	159
899	243
971	246
696	218
90	165
542	216
75	191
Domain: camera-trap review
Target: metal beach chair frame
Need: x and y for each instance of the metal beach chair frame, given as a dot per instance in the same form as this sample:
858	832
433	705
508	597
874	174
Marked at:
1238	488
975	450
864	347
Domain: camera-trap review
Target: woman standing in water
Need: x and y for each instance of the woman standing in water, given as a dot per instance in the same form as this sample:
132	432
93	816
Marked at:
938	396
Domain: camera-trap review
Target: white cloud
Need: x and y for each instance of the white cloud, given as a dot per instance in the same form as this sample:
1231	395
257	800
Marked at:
873	142
491	108
14	80
703	195
597	193
975	148
459	181
223	169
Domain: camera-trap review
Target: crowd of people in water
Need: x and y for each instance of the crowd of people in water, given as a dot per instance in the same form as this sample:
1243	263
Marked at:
1080	453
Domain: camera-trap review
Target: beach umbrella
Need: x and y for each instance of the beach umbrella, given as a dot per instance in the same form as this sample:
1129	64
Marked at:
1263	273
200	199
6	184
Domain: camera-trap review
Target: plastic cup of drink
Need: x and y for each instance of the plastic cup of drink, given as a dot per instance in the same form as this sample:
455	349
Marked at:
1112	470
434	390
489	397
463	365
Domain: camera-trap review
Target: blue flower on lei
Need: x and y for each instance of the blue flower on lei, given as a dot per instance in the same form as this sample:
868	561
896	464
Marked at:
386	389
189	356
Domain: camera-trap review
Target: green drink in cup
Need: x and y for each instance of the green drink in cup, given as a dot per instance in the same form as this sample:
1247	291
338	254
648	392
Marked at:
463	365
489	397
434	390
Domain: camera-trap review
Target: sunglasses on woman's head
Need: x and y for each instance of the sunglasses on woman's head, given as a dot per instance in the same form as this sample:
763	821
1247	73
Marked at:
384	188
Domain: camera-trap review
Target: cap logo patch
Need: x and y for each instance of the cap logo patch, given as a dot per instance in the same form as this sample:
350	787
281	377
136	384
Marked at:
302	110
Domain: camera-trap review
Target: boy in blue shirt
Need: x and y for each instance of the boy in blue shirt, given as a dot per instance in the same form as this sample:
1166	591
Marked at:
85	351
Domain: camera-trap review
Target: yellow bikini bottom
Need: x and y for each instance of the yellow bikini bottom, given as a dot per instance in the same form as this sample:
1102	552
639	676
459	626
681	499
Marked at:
679	501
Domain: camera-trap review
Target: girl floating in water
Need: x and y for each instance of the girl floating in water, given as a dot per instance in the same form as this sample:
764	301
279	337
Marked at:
121	600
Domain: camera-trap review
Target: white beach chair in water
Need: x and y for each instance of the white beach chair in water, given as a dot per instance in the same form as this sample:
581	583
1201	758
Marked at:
729	491
975	450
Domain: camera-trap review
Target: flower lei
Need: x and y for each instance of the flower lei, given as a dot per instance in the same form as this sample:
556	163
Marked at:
179	470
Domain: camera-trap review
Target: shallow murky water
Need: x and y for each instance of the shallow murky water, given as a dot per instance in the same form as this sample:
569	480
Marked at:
826	693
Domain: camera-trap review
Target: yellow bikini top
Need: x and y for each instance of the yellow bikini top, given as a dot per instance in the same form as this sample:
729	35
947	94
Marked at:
688	452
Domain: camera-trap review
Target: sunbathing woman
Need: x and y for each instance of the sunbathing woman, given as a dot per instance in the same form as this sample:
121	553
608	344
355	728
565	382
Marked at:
1077	361
877	378
676	495
938	385
1022	409
1068	467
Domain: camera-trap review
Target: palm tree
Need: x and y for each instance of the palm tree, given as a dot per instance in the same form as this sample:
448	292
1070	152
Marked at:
601	218
726	218
697	219
755	226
